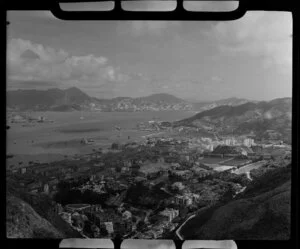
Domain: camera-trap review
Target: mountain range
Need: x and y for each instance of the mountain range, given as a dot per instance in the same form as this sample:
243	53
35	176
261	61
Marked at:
263	119
74	99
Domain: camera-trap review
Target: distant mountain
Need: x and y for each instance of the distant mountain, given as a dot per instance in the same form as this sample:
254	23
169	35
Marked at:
202	106
155	102
74	99
263	119
51	99
161	98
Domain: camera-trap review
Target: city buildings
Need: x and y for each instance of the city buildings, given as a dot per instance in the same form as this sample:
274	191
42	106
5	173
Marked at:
170	213
248	142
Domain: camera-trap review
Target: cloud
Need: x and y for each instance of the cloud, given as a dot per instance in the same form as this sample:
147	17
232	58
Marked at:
31	61
264	35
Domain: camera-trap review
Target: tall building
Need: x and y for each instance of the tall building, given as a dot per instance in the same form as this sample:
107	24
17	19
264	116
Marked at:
248	142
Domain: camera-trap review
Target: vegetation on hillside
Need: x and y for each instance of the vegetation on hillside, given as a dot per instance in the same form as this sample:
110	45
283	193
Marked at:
261	212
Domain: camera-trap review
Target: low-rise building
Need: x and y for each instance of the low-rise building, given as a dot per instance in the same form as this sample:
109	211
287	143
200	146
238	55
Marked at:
125	169
23	170
170	213
248	142
46	188
178	185
185	174
58	208
187	199
109	227
126	215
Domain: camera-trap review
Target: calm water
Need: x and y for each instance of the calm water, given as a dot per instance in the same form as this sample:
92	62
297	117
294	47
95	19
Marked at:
47	138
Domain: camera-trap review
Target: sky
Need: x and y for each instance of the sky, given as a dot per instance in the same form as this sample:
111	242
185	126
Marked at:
194	60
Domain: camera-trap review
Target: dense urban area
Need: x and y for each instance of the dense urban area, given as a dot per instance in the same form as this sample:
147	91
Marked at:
151	188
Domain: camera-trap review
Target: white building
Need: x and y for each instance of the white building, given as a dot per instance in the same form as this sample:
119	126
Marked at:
46	188
187	199
248	142
170	213
126	215
109	227
178	185
230	141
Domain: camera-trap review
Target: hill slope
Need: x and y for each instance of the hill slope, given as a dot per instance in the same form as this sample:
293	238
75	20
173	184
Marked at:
22	221
262	212
33	216
203	106
256	118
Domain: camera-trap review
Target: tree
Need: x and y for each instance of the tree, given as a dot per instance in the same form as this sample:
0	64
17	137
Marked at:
140	225
88	228
115	146
103	231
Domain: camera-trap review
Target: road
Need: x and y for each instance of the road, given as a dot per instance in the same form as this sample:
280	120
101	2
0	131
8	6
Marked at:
166	191
178	230
249	176
199	212
153	134
249	167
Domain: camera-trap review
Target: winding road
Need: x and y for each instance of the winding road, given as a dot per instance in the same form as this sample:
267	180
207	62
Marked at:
178	230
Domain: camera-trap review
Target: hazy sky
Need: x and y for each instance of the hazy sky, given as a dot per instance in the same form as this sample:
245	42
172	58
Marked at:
249	58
